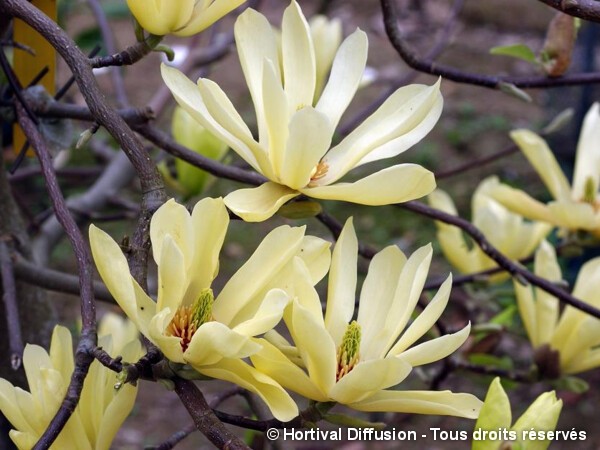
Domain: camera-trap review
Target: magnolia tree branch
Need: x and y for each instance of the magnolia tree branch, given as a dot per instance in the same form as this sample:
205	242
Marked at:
515	269
53	280
88	339
151	182
9	298
427	65
204	418
584	9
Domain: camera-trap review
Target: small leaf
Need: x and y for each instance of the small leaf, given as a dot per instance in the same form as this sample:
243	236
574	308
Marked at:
572	384
520	51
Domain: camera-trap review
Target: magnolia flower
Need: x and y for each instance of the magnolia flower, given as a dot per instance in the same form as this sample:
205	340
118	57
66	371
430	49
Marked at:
354	362
574	334
186	322
101	410
506	231
179	17
494	422
295	132
575	207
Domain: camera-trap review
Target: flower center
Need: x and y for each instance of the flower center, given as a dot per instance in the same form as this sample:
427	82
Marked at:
318	172
347	354
188	319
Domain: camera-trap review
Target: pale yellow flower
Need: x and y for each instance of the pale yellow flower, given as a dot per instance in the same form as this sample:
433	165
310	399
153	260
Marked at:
574	334
327	37
506	231
496	417
295	133
186	322
179	17
354	362
101	410
575	207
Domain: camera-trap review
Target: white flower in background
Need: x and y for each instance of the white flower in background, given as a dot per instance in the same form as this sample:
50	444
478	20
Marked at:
354	362
574	334
186	322
101	410
508	232
575	207
295	132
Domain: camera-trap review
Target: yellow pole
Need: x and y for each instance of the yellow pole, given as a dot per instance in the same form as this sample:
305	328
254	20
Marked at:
27	66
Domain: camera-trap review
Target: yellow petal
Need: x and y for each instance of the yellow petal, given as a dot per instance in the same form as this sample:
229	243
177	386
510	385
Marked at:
573	216
425	320
238	372
316	347
310	134
172	276
189	98
408	290
541	415
299	66
275	251
368	378
587	162
317	257
543	161
546	305
522	204
260	203
160	17
169	345
203	18
209	221
61	352
394	184
276	116
214	341
341	289
114	270
174	220
268	315
399	123
10	408
256	44
272	362
495	415
443	403
327	37
377	296
346	73
436	349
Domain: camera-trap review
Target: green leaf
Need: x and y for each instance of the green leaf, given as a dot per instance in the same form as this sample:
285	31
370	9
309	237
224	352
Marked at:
520	51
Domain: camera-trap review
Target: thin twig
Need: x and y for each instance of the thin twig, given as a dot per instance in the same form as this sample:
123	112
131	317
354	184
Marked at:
204	418
425	65
163	141
109	43
88	339
54	280
515	269
584	9
11	311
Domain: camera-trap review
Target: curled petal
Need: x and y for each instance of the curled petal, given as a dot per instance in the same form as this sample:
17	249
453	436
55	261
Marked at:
395	184
443	403
260	203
